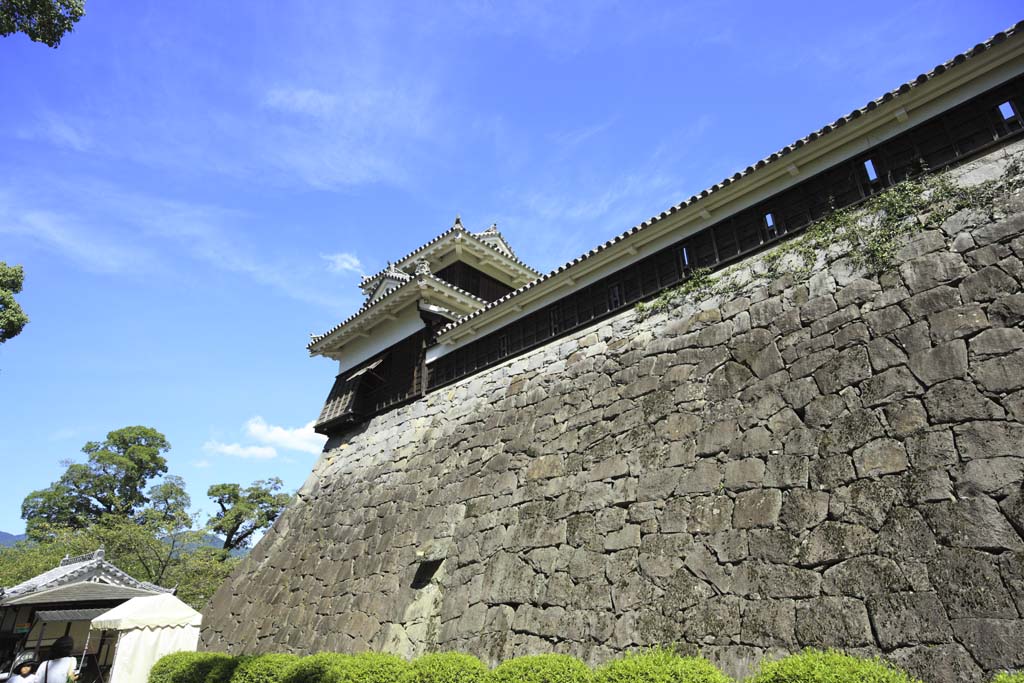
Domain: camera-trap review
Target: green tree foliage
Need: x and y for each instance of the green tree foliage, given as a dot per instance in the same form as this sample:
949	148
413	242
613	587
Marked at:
12	317
146	528
112	482
244	511
44	21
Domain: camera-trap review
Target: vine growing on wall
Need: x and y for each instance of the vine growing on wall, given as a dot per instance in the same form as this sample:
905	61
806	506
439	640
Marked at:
869	234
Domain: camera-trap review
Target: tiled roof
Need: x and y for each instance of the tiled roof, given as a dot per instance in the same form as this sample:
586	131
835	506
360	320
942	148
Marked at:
71	569
80	591
373	302
456	227
810	138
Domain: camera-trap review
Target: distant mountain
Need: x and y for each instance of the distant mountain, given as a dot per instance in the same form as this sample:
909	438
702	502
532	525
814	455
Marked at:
10	539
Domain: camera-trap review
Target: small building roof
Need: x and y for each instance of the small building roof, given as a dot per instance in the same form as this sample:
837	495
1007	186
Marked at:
425	286
92	568
50	616
80	591
489	245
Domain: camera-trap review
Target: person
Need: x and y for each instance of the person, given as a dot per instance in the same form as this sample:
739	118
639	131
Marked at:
60	667
24	672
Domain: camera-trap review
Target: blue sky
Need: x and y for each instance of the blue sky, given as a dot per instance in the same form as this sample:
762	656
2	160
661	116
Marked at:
193	188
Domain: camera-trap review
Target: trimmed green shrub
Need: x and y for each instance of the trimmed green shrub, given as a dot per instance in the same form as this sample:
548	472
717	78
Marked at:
831	666
1004	677
318	668
193	667
549	668
220	670
659	665
268	668
370	667
445	667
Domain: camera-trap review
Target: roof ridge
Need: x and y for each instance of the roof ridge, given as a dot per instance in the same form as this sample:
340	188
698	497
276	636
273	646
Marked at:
885	98
314	339
457	227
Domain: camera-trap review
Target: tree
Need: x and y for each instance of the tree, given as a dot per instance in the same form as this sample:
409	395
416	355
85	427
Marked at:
44	21
243	512
12	317
111	482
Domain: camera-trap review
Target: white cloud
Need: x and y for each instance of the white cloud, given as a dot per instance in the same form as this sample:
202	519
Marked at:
240	451
342	262
296	439
302	101
202	463
63	434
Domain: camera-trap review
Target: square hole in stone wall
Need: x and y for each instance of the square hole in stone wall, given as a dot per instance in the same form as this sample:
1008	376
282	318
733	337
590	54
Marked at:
425	572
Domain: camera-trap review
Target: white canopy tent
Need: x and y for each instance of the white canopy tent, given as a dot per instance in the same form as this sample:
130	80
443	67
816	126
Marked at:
148	628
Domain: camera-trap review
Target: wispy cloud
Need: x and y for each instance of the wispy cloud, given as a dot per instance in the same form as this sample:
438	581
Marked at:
342	262
302	101
57	130
240	451
72	237
107	229
202	463
293	439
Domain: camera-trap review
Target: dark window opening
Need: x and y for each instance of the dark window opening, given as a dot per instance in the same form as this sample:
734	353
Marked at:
477	283
1006	110
425	572
614	296
869	168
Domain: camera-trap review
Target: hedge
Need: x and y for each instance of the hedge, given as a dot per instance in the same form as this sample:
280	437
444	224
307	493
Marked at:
655	665
194	667
318	668
268	668
446	667
549	668
659	665
829	666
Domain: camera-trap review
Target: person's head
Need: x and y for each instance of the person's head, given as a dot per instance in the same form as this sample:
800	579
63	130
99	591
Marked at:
62	647
26	668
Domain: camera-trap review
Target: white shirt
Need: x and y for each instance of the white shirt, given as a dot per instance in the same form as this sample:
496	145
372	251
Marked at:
18	678
55	670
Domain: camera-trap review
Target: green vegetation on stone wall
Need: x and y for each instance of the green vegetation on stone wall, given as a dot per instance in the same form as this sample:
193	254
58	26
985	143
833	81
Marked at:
868	233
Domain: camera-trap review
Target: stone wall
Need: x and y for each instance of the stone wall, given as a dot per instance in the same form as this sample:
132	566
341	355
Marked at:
829	460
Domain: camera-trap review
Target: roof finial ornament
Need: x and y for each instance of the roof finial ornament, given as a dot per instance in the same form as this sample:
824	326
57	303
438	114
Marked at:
458	221
422	267
493	228
391	270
